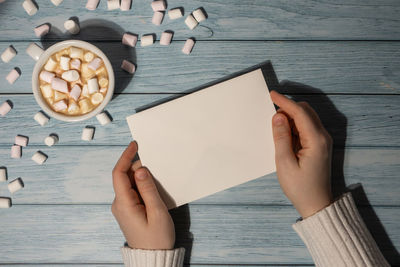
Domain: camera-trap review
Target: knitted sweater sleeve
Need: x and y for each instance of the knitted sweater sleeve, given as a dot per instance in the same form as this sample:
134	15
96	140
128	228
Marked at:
337	236
152	258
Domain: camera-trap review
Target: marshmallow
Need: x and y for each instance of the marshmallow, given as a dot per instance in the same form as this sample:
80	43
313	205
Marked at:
75	92
5	202
75	52
8	54
60	106
100	71
76	64
46	76
50	65
15	185
125	5
89	56
165	38
128	66
157	18
64	63
93	86
159	5
191	22
71	26
42	30
129	39
16	152
47	91
70	76
95	64
112	4
29	7
51	140
85	105
12	76
187	48
56	2
34	51
87	133
59	85
175	13
92	4
103	90
21	140
103	118
103	82
39	157
85	90
147	40
3	174
41	118
73	107
5	108
59	96
199	15
96	98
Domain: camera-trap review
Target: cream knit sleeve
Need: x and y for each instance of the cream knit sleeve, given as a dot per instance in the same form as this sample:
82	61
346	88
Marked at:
337	236
153	258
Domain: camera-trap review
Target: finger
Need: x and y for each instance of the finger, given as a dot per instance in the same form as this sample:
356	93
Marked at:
136	165
284	154
148	190
121	182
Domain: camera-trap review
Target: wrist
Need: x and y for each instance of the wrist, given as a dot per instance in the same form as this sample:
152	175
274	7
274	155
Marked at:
313	208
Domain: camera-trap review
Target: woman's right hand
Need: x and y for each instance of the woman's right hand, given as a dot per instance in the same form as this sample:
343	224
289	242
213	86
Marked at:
303	155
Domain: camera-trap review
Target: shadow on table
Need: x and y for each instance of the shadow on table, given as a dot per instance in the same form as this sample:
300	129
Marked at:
184	238
97	30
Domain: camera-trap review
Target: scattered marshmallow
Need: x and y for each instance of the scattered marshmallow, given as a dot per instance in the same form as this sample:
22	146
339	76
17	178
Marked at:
8	54
125	5
175	13
50	65
87	133
12	76
191	22
64	62
157	18
59	85
199	15
76	64
97	98
3	174
103	118
21	140
29	7
147	40
165	38
46	76
129	39
187	48
51	140
92	4
34	51
75	52
75	92
60	106
56	2
42	30
112	4
158	5
71	75
41	118
39	157
93	85
128	66
16	152
95	64
5	202
5	108
71	26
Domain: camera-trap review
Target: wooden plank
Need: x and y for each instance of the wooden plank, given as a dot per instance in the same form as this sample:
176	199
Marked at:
332	67
351	120
221	234
261	20
76	175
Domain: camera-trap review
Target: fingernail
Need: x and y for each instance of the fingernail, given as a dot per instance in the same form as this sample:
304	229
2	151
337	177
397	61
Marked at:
277	120
141	174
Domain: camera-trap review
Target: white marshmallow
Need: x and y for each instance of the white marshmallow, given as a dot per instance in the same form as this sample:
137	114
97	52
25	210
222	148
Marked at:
87	133
191	22
85	90
73	107
157	18
47	91
129	39
34	51
159	5
147	40
71	75
93	86
97	98
39	157
92	4
15	185
5	202
3	174
46	76
103	118
16	152
64	62
71	26
112	4
42	30
165	38
56	2
41	118
128	66
75	92
89	56
75	52
21	140
95	64
76	64
103	90
187	48
12	76
199	15
59	85
51	140
175	13
8	54
125	5
29	7
5	108
50	65
60	105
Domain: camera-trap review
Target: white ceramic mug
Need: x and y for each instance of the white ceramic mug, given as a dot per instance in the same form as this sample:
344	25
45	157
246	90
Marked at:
43	59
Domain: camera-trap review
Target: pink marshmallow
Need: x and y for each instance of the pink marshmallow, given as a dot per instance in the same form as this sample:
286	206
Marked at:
21	140
94	64
129	39
59	85
92	4
125	5
5	108
128	66
12	76
165	38
158	5
42	30
16	152
75	92
60	105
157	18
46	76
187	48
76	64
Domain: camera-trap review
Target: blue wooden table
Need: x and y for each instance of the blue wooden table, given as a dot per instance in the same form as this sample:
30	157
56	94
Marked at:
341	56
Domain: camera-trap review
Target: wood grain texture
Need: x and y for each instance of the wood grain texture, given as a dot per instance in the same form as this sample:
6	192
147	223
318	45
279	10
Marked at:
222	234
233	19
76	175
331	67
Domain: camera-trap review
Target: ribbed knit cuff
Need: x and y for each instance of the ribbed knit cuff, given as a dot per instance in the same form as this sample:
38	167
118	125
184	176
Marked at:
153	258
337	236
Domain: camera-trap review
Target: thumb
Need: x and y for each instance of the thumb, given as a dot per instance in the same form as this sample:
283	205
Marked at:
148	190
283	140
